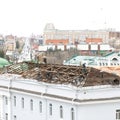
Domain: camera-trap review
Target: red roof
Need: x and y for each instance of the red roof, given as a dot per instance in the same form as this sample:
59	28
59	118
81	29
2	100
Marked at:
57	41
94	40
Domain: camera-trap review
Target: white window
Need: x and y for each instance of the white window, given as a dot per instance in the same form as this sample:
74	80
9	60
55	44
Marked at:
50	109
40	105
22	102
61	112
31	104
72	114
6	116
14	100
117	114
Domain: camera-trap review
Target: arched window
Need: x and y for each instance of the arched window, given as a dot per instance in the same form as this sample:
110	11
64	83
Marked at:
40	106
6	116
72	114
117	114
50	109
115	59
14	100
6	100
22	102
31	104
61	112
15	118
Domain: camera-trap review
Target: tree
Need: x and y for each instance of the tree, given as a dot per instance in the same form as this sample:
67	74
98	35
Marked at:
2	53
115	43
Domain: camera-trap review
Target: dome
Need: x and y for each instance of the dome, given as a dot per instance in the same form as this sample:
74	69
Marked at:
3	62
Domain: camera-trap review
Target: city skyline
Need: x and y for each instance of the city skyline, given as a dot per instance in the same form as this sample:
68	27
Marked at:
22	18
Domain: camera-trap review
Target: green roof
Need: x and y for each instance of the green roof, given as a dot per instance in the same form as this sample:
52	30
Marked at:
109	54
3	62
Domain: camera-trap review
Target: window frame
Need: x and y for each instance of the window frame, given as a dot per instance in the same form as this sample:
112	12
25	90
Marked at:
61	112
40	106
50	109
6	100
31	105
72	114
14	101
22	102
6	116
15	117
118	114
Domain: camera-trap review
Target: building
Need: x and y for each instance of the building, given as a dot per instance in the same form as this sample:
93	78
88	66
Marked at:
2	42
108	60
10	42
84	49
35	41
52	92
77	36
57	42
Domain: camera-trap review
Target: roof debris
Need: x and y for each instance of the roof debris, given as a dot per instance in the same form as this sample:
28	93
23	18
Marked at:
63	74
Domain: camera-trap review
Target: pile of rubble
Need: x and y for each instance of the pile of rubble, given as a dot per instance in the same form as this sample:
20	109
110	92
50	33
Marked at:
62	74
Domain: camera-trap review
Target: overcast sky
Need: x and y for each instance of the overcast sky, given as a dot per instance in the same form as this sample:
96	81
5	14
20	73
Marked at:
24	17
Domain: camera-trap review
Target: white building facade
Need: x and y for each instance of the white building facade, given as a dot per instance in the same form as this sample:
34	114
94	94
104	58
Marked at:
27	99
50	32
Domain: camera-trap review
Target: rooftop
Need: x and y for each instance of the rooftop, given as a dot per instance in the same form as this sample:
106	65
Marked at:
3	62
64	74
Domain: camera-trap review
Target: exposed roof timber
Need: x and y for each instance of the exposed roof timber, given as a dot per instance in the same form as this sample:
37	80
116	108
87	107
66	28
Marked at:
62	74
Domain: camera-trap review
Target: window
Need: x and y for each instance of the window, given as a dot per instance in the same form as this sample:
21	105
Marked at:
14	100
61	112
117	114
15	118
72	114
50	109
6	116
6	100
31	104
40	105
22	101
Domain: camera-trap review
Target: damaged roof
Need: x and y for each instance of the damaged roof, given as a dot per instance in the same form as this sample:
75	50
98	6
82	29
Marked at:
63	74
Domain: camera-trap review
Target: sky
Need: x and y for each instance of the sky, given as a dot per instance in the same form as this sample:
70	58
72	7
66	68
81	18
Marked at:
26	17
